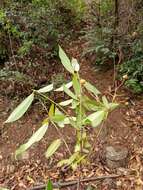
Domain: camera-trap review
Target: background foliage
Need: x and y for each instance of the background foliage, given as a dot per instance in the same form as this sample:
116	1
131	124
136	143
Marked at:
115	35
31	30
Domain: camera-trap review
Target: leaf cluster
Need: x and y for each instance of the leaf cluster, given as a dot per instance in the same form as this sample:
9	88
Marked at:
84	111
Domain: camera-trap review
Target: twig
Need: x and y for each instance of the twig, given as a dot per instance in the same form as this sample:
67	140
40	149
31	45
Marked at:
12	52
74	182
62	137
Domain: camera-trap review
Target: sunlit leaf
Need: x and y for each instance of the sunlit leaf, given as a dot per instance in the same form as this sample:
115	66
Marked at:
66	103
69	93
20	110
53	148
58	118
73	122
75	164
67	121
75	64
76	84
105	102
68	161
62	162
36	137
91	88
51	110
65	61
112	106
46	89
75	103
91	105
77	147
60	89
96	118
57	111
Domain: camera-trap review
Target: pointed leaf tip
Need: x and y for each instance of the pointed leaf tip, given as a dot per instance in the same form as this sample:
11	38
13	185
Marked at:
20	110
65	60
36	137
52	148
45	89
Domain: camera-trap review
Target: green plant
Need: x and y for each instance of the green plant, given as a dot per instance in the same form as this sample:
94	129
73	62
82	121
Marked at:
49	185
77	7
38	23
7	30
99	34
84	110
133	68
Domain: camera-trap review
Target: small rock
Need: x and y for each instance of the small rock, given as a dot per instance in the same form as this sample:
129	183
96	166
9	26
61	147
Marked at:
116	157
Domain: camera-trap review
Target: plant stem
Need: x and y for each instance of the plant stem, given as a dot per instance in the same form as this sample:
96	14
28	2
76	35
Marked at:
61	136
47	98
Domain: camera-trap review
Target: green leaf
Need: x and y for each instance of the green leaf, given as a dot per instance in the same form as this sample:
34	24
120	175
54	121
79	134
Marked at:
46	89
68	85
95	118
51	111
75	103
52	148
76	85
75	64
68	161
109	106
73	122
62	162
91	88
66	103
49	185
91	105
36	137
58	112
105	102
3	188
69	93
75	164
65	61
58	118
112	106
20	109
67	121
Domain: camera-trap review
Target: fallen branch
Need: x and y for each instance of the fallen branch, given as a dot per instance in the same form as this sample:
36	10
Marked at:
74	182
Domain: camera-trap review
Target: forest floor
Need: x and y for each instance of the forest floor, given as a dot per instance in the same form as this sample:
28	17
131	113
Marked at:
123	128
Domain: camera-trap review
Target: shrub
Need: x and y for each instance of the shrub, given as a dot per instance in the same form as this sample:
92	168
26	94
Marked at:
133	69
7	31
78	111
42	23
31	30
100	32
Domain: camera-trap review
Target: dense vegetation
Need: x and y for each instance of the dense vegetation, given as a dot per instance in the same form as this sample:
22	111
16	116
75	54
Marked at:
113	32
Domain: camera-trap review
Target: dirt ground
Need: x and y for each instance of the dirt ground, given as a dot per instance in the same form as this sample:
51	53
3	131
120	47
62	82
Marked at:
124	128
